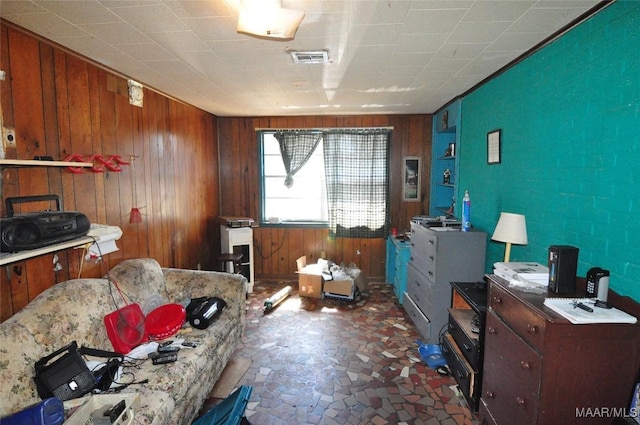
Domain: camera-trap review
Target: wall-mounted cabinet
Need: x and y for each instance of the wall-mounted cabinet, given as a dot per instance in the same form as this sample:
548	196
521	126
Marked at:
444	160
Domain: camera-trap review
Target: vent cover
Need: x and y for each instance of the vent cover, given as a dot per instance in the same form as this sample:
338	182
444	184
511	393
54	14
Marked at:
310	56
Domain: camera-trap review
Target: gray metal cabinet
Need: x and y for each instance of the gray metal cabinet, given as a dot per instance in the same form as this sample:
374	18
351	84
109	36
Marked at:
439	257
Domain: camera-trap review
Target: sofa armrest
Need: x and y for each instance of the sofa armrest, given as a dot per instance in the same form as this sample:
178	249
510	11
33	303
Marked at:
182	284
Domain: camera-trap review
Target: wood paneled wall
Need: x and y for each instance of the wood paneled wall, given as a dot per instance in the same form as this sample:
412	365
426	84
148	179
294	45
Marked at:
276	249
60	104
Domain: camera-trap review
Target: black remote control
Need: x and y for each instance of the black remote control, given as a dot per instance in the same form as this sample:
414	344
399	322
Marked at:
165	358
169	349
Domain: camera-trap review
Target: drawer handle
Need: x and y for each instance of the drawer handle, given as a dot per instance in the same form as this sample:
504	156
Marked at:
525	365
430	241
431	257
497	299
532	329
492	330
466	346
520	401
490	395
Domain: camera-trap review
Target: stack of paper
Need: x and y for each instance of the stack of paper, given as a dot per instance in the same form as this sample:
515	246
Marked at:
525	275
584	310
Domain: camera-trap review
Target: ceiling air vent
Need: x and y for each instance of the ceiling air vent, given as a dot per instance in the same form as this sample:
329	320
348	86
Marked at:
309	56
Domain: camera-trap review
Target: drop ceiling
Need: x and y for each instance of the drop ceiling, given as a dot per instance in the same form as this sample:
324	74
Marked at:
385	56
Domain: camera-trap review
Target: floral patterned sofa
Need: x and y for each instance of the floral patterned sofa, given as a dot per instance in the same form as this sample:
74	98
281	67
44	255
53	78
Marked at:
74	310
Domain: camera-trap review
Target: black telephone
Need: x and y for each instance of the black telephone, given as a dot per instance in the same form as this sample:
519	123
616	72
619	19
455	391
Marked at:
598	286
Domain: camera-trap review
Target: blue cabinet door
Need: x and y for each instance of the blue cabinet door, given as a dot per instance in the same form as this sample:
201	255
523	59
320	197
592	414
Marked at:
398	253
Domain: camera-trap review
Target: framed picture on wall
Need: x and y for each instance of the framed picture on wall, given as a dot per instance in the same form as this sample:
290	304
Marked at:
411	179
493	146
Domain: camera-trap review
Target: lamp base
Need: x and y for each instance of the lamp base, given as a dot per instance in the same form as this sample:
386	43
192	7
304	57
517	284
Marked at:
507	252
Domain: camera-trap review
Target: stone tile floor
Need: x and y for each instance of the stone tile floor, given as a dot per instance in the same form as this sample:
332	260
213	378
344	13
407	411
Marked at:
340	362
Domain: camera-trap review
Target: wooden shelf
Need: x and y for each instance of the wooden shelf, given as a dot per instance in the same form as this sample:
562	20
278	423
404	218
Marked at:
37	163
13	257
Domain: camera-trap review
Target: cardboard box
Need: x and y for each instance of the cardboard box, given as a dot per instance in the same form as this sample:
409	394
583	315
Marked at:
309	278
346	287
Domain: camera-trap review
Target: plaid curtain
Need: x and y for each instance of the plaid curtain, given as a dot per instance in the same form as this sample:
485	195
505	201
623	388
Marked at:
357	174
296	148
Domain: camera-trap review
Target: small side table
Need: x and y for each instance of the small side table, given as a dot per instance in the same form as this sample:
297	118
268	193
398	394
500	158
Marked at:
230	261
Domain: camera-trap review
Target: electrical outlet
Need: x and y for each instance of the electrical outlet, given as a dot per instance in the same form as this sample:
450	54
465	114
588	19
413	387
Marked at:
9	137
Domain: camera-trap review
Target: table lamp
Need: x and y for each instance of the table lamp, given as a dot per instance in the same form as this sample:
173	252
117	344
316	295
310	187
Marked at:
511	228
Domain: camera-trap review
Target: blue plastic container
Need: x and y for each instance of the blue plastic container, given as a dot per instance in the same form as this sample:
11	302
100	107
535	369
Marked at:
49	411
230	411
431	355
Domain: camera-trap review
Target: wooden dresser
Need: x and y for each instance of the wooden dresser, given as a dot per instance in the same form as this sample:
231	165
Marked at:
539	368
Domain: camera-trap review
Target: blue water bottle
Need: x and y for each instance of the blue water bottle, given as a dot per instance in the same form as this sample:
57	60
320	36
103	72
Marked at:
466	212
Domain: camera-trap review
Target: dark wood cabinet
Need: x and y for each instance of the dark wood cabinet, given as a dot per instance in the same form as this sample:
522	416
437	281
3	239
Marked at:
539	368
462	345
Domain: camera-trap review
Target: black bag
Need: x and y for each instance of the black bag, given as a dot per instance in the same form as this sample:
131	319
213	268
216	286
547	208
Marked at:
65	378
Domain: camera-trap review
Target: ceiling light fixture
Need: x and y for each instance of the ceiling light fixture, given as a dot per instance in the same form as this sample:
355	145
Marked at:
268	20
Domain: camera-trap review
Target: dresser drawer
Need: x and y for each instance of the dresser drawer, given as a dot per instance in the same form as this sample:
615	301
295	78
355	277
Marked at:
422	323
484	415
460	329
511	375
524	321
462	371
424	245
419	287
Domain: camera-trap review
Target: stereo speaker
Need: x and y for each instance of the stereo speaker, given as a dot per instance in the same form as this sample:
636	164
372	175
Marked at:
37	230
563	266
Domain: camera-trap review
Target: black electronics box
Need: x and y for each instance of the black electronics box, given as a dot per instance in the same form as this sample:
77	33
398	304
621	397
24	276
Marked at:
563	266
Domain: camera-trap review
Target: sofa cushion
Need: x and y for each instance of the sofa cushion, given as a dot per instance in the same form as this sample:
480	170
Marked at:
139	279
16	371
178	377
72	310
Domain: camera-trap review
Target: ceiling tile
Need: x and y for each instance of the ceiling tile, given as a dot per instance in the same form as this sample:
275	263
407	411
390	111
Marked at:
386	56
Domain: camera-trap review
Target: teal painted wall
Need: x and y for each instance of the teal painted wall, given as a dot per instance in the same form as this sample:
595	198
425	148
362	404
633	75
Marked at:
570	120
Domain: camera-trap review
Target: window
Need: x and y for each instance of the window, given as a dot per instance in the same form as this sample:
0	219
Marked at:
305	201
333	177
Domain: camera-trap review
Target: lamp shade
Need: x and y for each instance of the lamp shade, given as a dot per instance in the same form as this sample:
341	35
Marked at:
511	228
267	19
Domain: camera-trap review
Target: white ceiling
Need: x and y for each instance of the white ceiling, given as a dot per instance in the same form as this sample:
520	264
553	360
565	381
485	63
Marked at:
387	56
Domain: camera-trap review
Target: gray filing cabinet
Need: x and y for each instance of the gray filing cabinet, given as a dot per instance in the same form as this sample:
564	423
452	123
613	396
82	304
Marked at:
439	257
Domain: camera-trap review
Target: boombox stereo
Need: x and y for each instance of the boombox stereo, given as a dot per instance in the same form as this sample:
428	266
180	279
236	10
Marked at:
40	229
